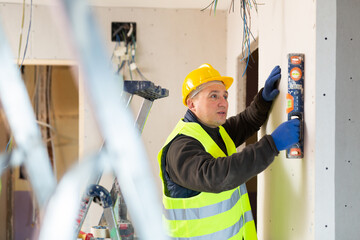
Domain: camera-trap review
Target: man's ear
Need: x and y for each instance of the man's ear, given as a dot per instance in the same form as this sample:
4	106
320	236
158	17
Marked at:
190	104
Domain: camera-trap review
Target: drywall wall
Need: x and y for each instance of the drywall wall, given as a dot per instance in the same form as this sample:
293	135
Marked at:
325	120
286	188
347	132
45	40
285	207
338	127
170	44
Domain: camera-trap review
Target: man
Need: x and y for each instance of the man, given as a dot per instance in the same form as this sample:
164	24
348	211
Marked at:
203	176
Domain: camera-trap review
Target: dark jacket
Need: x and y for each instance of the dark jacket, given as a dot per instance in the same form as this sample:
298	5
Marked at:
190	169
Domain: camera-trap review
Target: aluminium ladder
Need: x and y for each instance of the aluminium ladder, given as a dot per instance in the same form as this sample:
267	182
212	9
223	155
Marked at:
149	92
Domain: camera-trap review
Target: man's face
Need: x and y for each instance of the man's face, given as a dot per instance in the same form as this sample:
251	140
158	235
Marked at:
210	105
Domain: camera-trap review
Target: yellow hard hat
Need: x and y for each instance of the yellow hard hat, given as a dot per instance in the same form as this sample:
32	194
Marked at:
203	74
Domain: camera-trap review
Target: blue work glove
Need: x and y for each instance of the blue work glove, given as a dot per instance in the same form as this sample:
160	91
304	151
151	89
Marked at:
270	89
286	134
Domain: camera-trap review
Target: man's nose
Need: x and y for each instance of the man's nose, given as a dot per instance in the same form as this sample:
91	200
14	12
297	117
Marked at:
223	101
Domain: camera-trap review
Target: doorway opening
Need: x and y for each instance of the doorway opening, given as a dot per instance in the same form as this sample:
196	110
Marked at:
247	90
54	96
252	76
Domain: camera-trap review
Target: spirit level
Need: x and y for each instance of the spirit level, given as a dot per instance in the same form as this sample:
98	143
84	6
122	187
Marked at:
295	100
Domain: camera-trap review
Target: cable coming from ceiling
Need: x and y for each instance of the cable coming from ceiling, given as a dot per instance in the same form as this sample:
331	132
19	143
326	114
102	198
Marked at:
245	12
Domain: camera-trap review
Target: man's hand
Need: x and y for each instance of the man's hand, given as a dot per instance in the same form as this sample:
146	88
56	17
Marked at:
286	134
270	89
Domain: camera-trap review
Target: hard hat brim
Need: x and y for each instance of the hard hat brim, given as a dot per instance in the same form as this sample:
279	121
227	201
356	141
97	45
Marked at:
226	80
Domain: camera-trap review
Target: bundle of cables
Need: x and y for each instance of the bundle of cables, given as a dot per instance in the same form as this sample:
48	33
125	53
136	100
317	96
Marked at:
124	53
245	11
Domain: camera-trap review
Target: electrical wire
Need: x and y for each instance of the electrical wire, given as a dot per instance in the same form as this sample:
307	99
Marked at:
130	72
36	102
9	144
51	117
246	39
27	39
215	5
133	53
21	30
133	49
51	134
210	5
232	6
49	127
125	38
245	12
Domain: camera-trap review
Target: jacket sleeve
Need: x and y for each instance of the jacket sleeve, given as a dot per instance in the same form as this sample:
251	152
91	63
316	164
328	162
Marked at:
190	166
245	124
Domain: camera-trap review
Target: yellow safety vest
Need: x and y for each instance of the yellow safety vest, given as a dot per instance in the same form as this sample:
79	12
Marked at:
207	216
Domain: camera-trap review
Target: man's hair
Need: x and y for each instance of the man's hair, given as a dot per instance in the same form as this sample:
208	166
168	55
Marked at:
194	92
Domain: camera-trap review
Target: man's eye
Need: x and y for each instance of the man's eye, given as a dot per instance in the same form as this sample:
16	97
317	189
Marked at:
226	97
213	96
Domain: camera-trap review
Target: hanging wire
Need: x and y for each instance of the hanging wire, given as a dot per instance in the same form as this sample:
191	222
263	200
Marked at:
21	31
215	5
51	118
232	6
133	54
245	12
28	34
210	5
246	39
9	145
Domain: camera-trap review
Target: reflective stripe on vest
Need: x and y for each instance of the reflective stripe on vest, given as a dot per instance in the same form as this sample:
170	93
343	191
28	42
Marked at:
225	215
225	234
203	212
206	211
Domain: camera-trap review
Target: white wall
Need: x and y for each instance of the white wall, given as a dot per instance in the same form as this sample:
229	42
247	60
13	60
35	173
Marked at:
170	43
45	42
286	188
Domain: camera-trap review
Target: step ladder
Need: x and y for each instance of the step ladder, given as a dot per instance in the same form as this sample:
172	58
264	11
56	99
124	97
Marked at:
149	92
